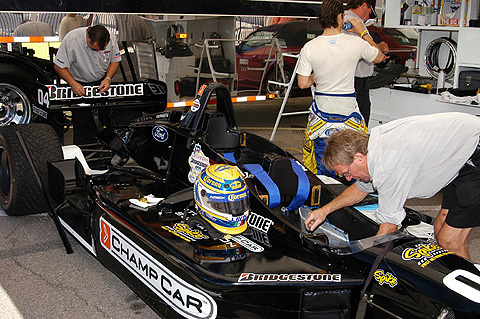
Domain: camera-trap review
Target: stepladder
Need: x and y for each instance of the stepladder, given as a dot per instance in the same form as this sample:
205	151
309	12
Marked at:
288	87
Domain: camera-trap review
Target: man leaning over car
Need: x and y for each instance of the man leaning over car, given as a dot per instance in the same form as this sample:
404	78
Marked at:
87	55
413	157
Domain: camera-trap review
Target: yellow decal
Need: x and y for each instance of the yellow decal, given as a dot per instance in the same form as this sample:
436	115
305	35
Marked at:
185	232
424	253
211	182
312	129
381	277
235	185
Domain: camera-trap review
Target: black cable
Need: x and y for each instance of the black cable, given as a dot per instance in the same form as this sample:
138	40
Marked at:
432	53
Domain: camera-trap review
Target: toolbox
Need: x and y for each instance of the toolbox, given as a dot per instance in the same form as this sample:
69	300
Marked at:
469	80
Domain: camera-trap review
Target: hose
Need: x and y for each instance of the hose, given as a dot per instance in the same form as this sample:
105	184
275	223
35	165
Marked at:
431	57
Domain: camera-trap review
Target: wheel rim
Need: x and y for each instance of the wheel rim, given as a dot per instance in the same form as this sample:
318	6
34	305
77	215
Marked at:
4	173
276	76
14	105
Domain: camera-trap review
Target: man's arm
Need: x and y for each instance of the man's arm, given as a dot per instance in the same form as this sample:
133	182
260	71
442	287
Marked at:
350	196
304	82
387	228
380	56
358	28
111	70
65	74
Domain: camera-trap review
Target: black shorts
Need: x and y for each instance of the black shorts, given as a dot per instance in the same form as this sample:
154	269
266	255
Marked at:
462	198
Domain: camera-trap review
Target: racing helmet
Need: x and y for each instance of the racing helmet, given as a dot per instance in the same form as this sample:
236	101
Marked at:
227	259
221	198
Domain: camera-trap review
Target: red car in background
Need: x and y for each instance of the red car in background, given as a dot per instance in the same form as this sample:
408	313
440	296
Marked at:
254	50
401	42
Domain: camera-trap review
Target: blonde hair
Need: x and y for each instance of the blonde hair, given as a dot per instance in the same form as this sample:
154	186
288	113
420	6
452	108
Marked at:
342	147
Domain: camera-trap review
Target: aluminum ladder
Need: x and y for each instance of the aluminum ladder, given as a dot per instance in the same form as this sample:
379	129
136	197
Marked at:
289	86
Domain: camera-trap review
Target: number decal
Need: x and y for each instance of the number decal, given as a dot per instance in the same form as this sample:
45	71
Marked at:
42	98
462	288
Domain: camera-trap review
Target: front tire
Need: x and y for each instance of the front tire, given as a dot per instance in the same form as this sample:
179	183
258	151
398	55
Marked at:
20	193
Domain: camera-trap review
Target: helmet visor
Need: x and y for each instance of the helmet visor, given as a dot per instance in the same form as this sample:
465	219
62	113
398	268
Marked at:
234	204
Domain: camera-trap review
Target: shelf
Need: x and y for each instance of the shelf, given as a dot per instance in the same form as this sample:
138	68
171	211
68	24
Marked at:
429	27
392	10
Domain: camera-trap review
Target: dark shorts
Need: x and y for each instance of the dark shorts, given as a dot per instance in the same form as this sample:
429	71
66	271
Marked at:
462	199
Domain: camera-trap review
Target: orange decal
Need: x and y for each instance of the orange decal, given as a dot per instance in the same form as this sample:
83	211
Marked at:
105	234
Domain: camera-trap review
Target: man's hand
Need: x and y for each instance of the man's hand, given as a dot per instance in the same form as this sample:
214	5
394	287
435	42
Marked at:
357	26
315	218
104	85
350	196
383	46
77	88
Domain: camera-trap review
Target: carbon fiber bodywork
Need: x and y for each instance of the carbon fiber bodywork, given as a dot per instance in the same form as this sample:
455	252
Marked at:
182	268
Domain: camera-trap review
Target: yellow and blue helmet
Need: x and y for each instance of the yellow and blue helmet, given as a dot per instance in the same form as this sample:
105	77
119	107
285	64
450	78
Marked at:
221	198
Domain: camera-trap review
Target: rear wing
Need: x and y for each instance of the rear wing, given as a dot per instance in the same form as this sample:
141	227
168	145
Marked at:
150	94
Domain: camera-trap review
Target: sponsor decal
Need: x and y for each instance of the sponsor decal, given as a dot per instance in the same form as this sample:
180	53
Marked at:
333	41
156	89
185	232
195	106
202	88
385	278
210	182
144	118
236	185
160	133
331	131
259	222
162	115
251	277
236	197
424	254
198	162
247	243
40	112
260	236
116	90
181	296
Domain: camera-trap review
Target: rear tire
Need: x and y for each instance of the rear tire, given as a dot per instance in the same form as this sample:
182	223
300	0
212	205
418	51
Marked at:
20	193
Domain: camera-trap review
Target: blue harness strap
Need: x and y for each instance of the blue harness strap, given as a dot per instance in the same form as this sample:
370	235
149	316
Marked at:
338	95
303	188
229	156
262	176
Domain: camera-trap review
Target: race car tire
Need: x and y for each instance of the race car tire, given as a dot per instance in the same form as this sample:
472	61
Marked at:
16	86
20	193
274	75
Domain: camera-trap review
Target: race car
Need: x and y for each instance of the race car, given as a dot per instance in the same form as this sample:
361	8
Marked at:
203	220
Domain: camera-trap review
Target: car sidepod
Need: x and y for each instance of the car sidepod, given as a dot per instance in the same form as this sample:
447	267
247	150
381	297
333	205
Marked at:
419	278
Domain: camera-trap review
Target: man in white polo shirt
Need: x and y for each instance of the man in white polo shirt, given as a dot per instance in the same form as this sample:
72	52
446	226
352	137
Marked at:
412	157
90	56
363	10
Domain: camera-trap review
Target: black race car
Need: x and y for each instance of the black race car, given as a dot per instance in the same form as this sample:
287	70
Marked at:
130	202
